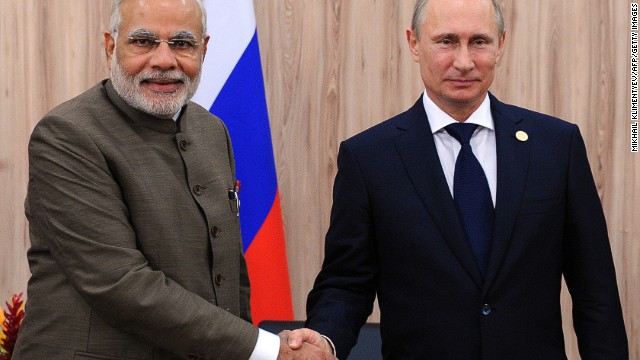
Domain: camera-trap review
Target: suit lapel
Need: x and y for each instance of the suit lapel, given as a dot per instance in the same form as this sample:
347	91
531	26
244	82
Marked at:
420	158
512	165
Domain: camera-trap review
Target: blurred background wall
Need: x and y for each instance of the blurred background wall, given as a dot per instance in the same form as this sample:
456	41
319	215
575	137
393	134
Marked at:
333	68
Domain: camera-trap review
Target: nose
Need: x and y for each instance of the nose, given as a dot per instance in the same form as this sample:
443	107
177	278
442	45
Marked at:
162	57
463	60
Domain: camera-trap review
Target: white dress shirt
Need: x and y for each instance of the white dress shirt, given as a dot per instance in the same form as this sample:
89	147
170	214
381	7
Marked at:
267	347
483	141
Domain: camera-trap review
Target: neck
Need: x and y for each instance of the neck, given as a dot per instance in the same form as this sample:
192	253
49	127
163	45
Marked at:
459	111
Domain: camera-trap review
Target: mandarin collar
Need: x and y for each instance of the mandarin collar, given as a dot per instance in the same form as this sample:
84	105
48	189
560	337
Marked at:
139	117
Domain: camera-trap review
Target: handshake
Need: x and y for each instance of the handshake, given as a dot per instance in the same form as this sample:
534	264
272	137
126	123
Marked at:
304	344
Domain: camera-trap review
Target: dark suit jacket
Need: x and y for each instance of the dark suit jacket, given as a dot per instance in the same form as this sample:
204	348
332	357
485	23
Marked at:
394	232
135	250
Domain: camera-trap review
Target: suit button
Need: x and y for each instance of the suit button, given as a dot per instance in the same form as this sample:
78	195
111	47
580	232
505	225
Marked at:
198	190
219	279
215	231
184	145
486	309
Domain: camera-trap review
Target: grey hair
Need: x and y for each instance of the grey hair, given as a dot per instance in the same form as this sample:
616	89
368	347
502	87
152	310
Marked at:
116	16
420	14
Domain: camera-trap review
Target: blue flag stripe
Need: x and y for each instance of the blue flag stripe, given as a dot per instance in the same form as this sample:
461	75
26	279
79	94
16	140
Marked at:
242	106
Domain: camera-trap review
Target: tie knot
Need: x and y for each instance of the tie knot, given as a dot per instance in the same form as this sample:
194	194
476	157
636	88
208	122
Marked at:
461	131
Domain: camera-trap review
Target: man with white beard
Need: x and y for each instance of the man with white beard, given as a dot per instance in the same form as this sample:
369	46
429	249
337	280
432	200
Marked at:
135	239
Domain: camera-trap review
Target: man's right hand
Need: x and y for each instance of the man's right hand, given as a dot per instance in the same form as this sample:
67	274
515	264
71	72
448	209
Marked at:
306	351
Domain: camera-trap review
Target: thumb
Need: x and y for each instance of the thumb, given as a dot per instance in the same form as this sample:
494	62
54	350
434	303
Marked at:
296	337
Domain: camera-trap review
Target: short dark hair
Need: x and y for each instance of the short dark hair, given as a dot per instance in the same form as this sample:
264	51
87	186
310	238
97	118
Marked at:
419	16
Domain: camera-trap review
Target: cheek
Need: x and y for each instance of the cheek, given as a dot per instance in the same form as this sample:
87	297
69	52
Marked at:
437	64
132	65
486	60
191	67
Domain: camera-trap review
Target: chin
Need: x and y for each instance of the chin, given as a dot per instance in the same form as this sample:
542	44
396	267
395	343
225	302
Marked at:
463	96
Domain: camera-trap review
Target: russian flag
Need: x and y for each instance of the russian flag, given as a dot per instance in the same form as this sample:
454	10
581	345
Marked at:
232	88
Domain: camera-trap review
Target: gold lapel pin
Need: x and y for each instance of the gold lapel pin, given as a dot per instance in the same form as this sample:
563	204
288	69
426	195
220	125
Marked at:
522	136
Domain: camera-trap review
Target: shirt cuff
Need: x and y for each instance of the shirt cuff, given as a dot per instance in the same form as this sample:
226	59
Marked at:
267	347
333	347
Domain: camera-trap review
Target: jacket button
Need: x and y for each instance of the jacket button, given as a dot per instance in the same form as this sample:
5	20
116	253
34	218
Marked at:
198	190
184	145
486	309
215	231
219	279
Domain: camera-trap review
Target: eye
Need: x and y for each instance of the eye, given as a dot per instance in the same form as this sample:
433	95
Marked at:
141	41
183	44
480	42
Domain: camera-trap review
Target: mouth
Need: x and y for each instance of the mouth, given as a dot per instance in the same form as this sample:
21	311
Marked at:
162	85
462	82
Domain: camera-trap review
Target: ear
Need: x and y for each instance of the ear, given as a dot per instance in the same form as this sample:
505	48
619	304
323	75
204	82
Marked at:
501	46
204	46
413	43
109	47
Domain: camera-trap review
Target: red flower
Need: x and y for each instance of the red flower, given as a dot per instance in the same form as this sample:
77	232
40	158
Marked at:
11	325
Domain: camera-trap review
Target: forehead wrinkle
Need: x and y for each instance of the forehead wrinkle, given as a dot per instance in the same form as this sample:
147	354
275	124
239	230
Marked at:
446	12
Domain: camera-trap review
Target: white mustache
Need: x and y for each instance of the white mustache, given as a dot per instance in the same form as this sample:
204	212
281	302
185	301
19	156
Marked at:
177	76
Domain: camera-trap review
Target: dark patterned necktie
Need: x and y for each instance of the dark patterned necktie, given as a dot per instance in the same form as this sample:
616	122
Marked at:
472	196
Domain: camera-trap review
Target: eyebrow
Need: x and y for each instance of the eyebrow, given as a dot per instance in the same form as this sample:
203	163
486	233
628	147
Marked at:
441	36
148	33
456	37
143	33
184	35
482	36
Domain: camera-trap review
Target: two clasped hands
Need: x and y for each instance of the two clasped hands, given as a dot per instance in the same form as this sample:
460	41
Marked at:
304	344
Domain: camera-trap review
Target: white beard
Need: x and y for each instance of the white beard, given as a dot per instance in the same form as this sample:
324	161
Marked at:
162	105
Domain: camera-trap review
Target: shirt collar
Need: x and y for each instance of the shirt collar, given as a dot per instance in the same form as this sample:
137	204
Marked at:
177	115
438	119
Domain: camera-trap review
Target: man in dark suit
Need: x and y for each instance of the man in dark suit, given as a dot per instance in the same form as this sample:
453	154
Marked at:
465	240
135	239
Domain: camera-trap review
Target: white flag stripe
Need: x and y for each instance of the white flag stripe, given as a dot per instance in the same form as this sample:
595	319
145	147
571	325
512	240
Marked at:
231	25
